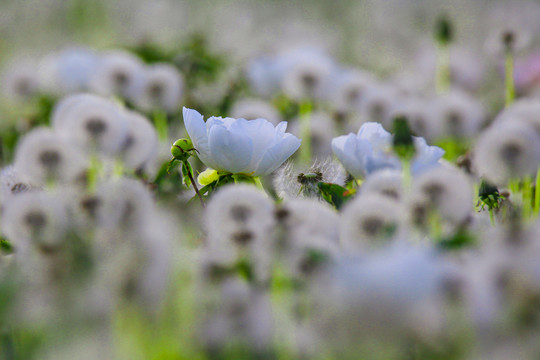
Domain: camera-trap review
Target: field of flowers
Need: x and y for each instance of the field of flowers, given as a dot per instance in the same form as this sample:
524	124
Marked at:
241	179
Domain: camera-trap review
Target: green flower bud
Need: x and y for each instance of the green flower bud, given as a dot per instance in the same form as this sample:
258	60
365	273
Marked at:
403	141
180	149
208	176
444	31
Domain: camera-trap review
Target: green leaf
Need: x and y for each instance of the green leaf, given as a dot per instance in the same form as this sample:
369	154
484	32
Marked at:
187	170
334	194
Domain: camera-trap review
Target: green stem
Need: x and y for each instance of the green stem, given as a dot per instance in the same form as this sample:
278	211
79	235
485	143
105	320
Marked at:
162	127
527	197
492	217
305	131
510	93
407	176
93	173
537	193
258	183
442	76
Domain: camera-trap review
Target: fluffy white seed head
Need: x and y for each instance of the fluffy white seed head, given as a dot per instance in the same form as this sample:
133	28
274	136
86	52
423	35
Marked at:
35	218
370	221
141	146
251	109
159	87
420	115
43	155
386	182
291	182
322	128
377	104
305	219
12	182
507	151
20	81
458	115
442	191
127	205
117	72
93	123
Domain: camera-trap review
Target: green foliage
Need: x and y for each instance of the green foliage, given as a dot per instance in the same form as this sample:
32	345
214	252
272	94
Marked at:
334	194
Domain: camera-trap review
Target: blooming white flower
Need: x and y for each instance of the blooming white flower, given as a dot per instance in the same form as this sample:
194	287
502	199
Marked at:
371	150
252	147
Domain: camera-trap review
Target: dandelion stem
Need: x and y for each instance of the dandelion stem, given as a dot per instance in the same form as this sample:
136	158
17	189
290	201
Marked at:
509	78
492	217
537	193
442	76
305	131
160	122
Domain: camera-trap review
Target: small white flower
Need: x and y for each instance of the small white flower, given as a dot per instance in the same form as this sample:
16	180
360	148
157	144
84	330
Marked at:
253	147
370	150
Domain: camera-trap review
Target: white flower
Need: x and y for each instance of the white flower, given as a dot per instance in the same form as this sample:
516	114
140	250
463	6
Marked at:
371	150
386	182
252	147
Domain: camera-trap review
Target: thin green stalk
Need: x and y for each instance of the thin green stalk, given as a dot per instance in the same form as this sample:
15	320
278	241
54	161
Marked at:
305	131
258	183
492	217
510	92
527	195
162	127
537	193
442	76
94	171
